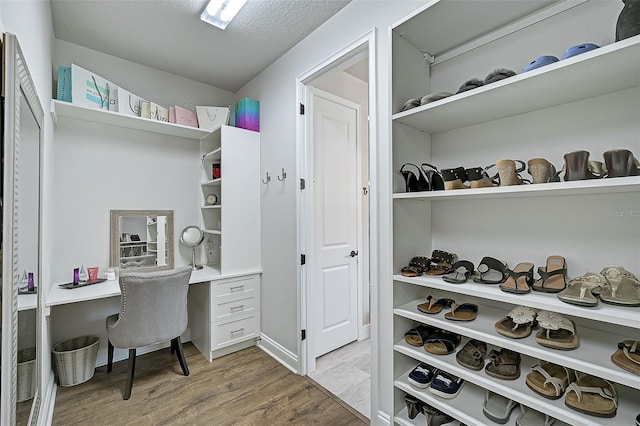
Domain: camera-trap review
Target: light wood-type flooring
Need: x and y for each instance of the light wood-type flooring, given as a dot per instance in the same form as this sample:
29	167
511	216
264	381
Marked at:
245	388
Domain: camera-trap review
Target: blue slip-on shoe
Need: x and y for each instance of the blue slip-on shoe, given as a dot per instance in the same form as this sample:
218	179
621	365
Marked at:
421	375
446	385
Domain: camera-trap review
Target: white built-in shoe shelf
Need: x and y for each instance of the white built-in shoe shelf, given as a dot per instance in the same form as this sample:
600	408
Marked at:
69	110
214	155
466	407
591	357
517	390
213	182
577	187
572	79
628	316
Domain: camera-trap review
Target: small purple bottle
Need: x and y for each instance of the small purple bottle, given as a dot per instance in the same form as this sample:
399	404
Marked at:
30	283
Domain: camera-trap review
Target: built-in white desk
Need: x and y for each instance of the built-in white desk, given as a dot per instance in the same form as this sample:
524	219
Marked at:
222	313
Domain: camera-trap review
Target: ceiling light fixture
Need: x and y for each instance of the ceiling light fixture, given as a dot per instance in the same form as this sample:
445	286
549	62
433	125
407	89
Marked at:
220	12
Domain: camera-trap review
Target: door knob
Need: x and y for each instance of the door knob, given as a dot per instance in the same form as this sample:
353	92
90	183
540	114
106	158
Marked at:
353	253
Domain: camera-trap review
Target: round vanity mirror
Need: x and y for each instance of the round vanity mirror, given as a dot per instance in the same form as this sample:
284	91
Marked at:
192	237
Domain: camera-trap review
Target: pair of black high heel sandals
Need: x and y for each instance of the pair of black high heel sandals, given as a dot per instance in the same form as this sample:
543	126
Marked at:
423	178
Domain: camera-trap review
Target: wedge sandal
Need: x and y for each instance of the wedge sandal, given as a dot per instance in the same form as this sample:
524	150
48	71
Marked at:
491	271
552	276
623	287
581	290
627	356
519	279
503	364
434	306
472	355
549	380
442	342
417	266
592	395
518	323
557	331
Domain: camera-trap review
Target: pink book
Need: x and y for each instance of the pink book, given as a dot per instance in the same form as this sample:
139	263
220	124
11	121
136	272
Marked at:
172	114
186	117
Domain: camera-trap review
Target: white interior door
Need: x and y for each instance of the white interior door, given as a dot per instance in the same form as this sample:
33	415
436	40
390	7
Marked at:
334	266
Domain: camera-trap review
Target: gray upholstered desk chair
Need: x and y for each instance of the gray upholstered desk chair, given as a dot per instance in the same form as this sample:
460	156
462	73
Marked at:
153	310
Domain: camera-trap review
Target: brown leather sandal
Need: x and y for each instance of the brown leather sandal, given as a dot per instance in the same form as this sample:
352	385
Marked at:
503	364
416	267
441	262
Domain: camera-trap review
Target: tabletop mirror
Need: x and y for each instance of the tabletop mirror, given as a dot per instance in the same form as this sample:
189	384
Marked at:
22	126
142	240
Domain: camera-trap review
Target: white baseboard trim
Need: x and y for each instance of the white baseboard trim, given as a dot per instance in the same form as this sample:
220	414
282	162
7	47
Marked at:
279	353
364	332
47	405
382	418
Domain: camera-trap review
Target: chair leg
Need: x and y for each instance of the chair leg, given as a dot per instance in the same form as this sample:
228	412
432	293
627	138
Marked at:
173	346
181	359
131	366
109	357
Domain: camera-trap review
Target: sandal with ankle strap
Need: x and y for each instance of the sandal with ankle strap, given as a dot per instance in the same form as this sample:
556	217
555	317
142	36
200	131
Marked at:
510	174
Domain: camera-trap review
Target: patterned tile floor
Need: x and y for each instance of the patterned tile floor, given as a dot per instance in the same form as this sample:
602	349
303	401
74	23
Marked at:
346	372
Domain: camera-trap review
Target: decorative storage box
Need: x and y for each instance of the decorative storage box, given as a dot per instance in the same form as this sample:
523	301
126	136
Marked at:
248	114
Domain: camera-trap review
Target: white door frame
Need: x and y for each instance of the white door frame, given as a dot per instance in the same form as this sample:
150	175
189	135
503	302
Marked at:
304	199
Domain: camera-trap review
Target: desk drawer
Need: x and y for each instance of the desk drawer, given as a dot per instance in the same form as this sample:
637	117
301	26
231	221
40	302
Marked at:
235	288
227	309
225	333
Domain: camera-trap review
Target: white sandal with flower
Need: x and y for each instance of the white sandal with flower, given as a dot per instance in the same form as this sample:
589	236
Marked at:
557	331
518	323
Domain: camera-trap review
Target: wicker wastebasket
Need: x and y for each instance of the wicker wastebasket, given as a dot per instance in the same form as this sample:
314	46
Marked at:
75	359
26	374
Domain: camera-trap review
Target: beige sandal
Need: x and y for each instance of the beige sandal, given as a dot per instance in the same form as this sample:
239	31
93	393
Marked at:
518	323
582	290
623	287
592	395
557	331
549	380
627	356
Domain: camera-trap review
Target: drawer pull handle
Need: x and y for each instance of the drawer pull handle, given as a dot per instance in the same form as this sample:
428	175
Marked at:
241	287
240	330
234	308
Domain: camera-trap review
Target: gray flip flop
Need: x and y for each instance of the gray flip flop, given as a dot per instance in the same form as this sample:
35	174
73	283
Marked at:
581	290
497	408
530	417
491	271
623	287
459	272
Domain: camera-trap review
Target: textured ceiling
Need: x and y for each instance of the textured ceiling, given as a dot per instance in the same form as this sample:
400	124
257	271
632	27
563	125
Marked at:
168	34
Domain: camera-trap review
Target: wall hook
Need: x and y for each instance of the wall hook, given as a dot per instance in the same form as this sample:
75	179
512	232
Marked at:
283	176
268	179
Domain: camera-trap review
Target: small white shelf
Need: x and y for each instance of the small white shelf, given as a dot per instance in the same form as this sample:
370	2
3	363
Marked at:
214	155
69	110
212	231
592	356
466	407
517	390
568	80
217	206
214	182
27	301
620	315
578	187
